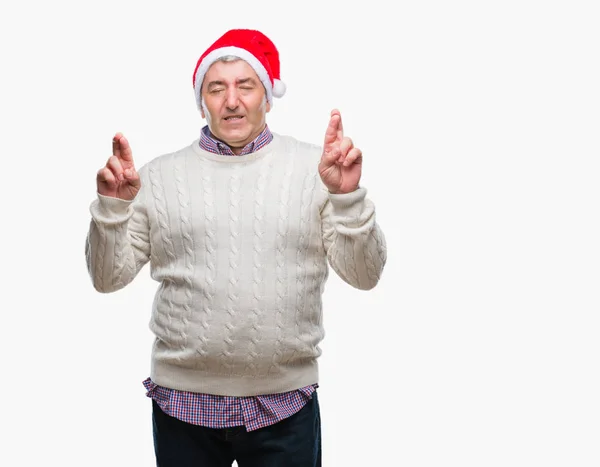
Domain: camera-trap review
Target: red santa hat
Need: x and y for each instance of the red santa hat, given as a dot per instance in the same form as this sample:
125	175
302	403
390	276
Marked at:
251	46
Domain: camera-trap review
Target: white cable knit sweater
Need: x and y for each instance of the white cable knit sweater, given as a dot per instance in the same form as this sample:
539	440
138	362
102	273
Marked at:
239	246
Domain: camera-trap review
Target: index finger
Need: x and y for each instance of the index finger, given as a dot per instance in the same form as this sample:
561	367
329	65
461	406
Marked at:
121	148
332	130
340	127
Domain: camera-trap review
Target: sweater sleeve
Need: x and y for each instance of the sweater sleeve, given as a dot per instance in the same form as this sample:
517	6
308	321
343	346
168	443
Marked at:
118	242
354	242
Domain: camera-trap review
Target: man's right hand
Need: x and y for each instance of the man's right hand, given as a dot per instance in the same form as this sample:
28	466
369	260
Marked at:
118	178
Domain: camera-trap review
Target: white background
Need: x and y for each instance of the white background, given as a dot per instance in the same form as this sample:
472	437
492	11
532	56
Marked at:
479	123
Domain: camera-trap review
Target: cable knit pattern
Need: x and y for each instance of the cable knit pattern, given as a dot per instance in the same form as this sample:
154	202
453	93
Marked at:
381	248
257	269
370	262
119	258
100	254
281	263
160	204
187	236
240	247
130	269
210	247
315	300
234	259
305	222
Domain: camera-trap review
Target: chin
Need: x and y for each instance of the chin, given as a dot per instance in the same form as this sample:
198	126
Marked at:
236	134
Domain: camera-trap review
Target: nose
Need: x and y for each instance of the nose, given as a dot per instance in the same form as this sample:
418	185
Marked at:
232	98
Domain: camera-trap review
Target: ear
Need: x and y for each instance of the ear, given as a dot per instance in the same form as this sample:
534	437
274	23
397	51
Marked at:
268	107
202	108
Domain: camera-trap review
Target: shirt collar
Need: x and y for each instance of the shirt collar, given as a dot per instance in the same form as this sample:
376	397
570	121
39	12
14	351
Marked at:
209	143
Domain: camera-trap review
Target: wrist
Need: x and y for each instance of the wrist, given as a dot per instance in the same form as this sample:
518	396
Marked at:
333	191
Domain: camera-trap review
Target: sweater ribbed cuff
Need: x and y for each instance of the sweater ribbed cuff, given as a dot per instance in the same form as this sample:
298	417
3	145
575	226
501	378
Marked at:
348	205
108	210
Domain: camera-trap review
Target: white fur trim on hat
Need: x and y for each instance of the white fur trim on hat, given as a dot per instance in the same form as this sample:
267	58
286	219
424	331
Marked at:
238	52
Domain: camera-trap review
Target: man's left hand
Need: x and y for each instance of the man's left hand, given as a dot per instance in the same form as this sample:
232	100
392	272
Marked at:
341	163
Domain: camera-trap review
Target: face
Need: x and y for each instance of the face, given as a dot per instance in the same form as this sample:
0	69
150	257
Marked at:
234	103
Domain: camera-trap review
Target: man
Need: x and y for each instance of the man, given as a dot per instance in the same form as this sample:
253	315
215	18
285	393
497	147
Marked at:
239	228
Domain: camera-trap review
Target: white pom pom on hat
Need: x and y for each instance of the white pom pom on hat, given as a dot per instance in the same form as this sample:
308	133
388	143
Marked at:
278	88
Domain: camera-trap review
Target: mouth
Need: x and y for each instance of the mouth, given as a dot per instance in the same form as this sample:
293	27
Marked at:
233	118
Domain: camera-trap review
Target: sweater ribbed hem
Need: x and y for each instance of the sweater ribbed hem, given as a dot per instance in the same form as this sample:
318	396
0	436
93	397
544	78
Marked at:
183	379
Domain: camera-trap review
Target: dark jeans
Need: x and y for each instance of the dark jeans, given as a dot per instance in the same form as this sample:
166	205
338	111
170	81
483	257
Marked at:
292	442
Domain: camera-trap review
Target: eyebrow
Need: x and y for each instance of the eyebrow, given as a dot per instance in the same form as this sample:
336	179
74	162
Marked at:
238	81
246	80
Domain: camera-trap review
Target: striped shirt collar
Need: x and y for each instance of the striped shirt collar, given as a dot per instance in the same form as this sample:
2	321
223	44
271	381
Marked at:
209	143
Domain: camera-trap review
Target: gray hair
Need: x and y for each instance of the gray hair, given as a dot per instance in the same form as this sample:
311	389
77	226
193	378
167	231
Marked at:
228	58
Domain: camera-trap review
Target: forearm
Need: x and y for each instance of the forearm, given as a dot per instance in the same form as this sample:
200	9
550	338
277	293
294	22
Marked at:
114	251
356	246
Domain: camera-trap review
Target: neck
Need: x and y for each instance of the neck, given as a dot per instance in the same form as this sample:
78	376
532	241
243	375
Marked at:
237	148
